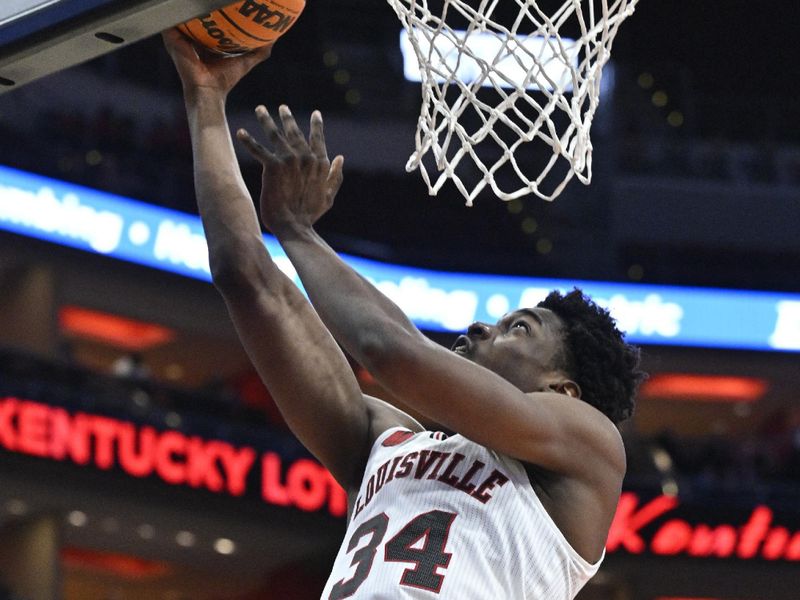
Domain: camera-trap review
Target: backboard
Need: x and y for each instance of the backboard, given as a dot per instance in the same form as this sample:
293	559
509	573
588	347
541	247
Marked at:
39	37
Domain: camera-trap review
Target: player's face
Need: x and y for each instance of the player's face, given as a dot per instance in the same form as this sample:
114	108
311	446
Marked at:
522	347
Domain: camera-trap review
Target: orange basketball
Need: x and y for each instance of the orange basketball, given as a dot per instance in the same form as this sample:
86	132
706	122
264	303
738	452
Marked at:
243	26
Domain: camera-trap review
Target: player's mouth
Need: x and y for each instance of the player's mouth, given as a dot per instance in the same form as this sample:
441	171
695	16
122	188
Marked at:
462	345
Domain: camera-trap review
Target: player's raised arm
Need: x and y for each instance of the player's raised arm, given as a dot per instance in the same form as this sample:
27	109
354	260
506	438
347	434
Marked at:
521	406
294	353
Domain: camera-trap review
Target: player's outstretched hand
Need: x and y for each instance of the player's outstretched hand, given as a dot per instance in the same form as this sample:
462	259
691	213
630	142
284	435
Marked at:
299	182
215	73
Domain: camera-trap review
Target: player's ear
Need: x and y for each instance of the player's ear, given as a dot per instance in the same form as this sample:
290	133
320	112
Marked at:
568	387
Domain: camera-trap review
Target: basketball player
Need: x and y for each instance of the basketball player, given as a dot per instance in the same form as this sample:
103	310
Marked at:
518	502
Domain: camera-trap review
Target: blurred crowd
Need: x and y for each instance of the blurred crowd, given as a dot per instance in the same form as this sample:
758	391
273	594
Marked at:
670	131
149	158
110	152
763	466
237	411
714	160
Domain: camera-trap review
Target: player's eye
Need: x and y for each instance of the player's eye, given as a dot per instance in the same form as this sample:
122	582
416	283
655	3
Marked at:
521	325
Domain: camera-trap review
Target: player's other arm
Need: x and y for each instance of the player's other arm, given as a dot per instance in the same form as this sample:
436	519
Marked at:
294	353
547	428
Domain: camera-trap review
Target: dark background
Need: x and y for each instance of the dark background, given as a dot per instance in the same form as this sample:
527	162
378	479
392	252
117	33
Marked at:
712	202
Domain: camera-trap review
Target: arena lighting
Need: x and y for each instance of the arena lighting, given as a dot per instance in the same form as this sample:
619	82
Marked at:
704	388
175	458
640	528
125	229
224	546
122	332
486	46
119	565
659	526
77	518
186	539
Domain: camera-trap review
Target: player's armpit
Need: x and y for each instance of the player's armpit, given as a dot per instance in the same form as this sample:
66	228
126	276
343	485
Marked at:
383	416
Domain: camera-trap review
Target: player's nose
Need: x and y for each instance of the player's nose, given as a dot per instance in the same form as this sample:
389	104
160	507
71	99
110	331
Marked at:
479	330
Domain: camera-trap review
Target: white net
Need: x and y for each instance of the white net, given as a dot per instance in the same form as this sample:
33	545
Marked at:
543	85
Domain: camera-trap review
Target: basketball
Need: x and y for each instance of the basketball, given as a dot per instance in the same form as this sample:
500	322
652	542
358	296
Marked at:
243	26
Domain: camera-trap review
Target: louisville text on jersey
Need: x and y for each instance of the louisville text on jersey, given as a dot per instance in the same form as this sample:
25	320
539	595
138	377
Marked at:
448	468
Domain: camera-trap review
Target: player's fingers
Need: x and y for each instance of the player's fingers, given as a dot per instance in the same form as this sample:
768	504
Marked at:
271	129
290	128
171	35
317	136
177	45
255	57
257	150
335	176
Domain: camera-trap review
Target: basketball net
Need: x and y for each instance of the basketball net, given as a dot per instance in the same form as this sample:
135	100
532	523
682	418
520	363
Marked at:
547	88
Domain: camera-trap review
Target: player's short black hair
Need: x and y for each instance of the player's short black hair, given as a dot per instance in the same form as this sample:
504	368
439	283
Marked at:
596	355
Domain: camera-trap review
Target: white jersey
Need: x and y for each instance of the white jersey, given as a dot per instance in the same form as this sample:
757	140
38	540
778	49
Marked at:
444	517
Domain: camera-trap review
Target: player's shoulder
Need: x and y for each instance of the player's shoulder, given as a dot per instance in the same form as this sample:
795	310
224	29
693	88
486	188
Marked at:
383	416
567	424
581	413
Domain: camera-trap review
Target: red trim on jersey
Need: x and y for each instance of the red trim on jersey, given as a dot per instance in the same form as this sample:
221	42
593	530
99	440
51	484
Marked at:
397	438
